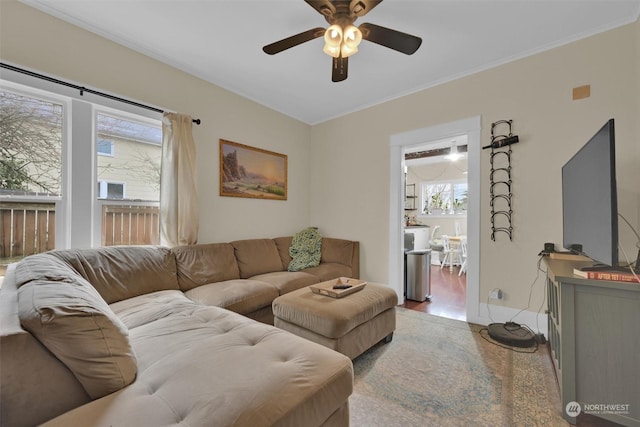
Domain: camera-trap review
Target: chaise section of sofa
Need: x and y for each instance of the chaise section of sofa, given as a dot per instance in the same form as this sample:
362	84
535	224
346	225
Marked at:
215	367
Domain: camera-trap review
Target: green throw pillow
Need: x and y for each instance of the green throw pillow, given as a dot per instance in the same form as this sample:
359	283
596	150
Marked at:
305	249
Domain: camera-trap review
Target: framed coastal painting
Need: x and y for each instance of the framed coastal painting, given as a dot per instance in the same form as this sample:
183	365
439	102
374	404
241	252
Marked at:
252	172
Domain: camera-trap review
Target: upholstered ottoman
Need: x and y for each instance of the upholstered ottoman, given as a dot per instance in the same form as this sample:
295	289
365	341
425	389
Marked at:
349	325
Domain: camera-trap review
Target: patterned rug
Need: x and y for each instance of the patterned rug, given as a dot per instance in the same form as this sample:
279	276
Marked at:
442	372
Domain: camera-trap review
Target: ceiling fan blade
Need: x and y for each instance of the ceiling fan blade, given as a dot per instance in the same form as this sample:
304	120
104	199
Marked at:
292	41
324	7
362	7
340	66
396	40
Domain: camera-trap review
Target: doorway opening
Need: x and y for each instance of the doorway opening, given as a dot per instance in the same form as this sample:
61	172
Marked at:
435	219
411	141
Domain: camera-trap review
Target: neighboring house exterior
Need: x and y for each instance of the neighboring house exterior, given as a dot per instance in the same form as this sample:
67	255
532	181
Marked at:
128	161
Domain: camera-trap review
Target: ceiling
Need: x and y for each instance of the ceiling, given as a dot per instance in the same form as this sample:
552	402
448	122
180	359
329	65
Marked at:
430	152
221	41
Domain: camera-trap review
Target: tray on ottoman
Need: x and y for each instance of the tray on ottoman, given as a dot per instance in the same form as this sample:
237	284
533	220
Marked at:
327	288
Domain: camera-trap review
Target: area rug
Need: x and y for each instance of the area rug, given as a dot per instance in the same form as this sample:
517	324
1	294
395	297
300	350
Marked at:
442	372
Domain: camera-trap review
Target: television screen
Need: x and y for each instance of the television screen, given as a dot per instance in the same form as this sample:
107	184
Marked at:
589	199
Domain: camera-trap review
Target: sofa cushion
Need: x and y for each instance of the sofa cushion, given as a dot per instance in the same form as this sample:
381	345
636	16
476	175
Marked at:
283	244
257	256
43	267
287	281
331	270
206	263
339	253
143	309
241	296
337	250
121	272
79	328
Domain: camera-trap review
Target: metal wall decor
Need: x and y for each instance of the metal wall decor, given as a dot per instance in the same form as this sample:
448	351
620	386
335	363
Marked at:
501	184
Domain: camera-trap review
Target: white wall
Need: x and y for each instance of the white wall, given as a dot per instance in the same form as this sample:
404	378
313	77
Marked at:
31	39
536	92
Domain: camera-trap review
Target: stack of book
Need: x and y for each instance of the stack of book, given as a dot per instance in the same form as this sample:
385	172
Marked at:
612	275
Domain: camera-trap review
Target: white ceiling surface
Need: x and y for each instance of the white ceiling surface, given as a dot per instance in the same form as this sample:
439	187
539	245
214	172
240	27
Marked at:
221	41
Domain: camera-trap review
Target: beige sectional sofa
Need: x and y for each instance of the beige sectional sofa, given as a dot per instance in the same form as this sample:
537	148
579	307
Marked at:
149	336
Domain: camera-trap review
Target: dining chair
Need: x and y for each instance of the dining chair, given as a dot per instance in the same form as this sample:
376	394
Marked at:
452	254
463	249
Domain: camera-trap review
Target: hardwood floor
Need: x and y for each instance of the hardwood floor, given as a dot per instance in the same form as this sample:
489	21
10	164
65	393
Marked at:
448	295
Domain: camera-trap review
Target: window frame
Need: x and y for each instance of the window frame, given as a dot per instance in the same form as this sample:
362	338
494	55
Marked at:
62	226
74	228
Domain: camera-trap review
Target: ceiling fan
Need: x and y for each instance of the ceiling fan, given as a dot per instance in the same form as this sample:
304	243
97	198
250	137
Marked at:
342	37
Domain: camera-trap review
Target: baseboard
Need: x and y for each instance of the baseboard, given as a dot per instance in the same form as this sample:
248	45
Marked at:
489	313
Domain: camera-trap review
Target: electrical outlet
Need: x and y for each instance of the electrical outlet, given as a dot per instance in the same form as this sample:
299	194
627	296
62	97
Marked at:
496	294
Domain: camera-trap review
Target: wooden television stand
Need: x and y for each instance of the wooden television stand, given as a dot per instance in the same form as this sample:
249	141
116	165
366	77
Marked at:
595	342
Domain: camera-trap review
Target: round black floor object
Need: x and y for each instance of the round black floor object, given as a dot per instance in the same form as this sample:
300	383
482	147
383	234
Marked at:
512	334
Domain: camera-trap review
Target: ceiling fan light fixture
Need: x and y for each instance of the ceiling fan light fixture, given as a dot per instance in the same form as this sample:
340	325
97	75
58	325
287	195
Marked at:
352	36
342	37
333	40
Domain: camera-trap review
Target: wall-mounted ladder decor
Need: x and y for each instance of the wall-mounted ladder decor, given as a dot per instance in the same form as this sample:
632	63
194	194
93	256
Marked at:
501	184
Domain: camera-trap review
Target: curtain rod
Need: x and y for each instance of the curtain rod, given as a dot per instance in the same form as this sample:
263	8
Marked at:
83	89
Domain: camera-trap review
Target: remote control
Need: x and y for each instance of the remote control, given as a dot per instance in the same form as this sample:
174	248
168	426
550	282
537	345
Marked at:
341	286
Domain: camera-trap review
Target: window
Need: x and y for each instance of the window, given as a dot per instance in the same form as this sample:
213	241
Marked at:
444	198
46	194
129	181
31	131
105	147
110	190
31	150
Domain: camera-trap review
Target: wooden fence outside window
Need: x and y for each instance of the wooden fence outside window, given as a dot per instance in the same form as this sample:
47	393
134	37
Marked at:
130	225
29	228
26	229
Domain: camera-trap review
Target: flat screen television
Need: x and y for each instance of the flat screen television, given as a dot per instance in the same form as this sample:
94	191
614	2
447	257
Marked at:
589	199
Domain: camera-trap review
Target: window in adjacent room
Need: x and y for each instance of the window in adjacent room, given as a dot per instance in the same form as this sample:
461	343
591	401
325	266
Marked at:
444	198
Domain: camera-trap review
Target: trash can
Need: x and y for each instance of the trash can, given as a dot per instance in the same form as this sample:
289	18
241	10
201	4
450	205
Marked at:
418	275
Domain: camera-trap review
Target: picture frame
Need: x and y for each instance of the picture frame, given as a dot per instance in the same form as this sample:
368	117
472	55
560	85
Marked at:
252	172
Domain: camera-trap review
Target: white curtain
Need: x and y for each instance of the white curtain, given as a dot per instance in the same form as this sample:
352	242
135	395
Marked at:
178	197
